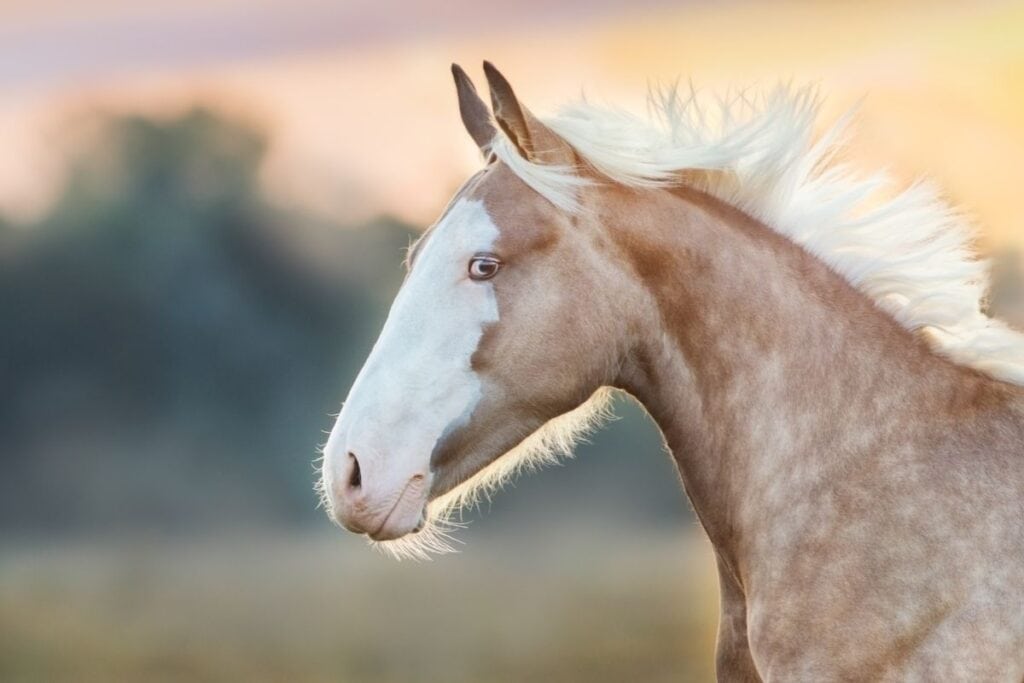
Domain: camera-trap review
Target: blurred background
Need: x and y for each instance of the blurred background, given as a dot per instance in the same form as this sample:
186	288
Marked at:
203	209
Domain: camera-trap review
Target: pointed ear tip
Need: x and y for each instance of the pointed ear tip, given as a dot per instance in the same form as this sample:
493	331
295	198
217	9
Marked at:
456	69
499	84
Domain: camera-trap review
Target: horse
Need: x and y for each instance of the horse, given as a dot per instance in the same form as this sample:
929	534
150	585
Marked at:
813	343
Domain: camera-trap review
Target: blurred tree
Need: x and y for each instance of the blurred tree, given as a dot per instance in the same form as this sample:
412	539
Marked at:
167	357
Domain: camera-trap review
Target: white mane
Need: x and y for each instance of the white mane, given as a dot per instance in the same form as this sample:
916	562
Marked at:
911	252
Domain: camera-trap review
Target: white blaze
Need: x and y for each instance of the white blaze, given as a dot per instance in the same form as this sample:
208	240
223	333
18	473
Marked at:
418	380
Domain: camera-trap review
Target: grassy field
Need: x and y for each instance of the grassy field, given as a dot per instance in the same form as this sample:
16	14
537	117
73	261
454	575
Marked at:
323	607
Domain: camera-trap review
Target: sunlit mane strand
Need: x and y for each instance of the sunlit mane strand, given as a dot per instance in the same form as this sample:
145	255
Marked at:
911	252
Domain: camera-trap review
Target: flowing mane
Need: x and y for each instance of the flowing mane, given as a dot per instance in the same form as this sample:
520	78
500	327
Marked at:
908	250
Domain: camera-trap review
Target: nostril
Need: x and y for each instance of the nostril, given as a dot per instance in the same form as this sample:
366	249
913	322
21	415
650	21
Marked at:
355	477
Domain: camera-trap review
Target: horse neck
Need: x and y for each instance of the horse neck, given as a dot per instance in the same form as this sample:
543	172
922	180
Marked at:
768	374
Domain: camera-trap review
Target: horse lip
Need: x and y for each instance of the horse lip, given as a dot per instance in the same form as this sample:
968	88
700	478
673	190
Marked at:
375	535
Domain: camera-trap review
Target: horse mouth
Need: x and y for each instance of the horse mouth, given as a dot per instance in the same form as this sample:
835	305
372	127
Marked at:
407	516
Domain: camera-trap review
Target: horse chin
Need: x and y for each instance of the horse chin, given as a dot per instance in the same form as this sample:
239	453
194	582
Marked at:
395	531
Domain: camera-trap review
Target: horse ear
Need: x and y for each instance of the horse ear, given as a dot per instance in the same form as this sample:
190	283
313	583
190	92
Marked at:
535	141
475	116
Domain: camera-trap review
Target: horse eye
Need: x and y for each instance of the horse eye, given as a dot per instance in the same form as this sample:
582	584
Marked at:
483	267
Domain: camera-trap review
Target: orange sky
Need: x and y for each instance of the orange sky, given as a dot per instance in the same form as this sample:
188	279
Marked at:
359	97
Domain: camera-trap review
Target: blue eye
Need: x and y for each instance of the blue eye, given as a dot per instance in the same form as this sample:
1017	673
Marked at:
483	267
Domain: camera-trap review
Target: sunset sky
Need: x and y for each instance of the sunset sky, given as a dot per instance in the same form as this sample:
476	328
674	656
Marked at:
358	96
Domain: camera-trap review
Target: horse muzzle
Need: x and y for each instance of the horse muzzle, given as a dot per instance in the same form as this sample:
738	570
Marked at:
382	507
